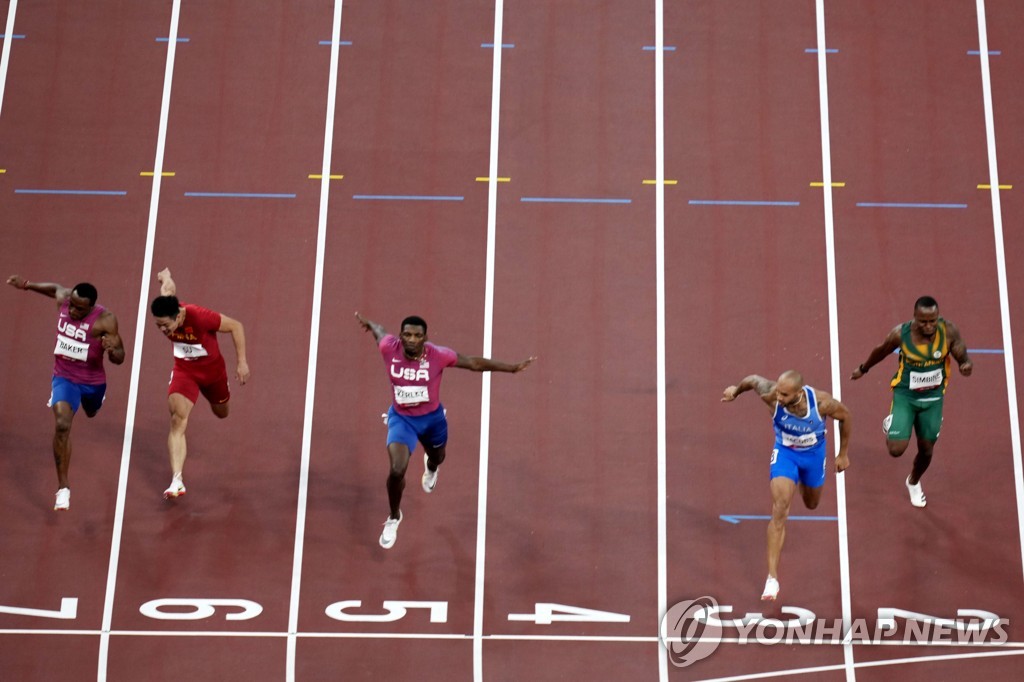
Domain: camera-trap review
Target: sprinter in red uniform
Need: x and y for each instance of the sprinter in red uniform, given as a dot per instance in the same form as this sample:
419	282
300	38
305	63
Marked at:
198	366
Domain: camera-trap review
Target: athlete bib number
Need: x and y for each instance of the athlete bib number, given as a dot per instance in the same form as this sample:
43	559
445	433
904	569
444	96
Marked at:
925	381
71	349
805	440
411	395
189	351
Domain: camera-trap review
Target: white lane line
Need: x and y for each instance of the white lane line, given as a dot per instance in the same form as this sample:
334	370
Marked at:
833	324
314	342
5	58
1004	296
866	664
659	257
140	327
485	390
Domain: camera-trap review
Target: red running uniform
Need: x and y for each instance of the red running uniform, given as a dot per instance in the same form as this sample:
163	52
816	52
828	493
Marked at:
198	365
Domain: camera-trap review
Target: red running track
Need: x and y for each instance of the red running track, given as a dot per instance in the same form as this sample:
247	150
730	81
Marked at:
568	510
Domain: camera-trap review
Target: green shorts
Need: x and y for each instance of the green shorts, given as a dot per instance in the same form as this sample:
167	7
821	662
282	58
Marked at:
920	413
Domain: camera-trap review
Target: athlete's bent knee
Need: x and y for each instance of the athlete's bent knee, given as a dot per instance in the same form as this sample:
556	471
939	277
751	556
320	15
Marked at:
897	447
179	422
63	426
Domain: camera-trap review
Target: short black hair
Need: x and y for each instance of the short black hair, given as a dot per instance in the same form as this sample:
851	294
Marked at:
165	306
86	291
926	302
414	320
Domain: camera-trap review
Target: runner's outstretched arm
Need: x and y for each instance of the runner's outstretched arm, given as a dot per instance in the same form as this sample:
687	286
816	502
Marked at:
61	293
167	286
879	353
371	326
479	364
755	382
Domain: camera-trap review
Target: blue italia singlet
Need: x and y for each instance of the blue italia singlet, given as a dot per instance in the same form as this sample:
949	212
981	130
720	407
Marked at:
796	432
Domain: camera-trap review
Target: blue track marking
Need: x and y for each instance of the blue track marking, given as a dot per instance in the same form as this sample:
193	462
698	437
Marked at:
239	195
14	36
74	192
165	39
986	351
504	46
995	53
736	518
828	50
907	205
573	200
667	48
340	42
405	197
729	202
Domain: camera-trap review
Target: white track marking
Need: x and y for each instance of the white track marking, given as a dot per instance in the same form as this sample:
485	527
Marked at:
485	390
5	59
833	324
314	342
140	327
1004	296
659	267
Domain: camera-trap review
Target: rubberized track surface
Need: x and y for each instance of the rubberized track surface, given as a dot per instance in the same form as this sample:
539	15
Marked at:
630	190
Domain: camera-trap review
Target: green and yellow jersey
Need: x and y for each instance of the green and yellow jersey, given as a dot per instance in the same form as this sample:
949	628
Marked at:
923	368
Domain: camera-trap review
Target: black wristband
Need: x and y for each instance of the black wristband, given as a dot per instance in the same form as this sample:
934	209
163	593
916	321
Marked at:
861	368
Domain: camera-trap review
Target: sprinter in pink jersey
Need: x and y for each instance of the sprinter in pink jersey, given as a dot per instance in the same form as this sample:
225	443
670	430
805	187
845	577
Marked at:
85	333
416	414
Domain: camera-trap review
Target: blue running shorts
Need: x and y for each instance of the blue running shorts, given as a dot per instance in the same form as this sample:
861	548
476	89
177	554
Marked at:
89	396
801	466
429	429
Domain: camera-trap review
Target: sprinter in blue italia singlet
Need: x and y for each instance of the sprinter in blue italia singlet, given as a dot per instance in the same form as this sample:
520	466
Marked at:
799	452
798	457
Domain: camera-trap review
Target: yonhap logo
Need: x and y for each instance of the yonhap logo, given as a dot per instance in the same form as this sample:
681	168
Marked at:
686	633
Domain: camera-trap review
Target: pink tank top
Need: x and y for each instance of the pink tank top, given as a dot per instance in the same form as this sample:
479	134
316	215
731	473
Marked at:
78	355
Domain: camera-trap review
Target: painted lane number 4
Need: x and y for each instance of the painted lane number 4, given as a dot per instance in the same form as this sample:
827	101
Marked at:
546	613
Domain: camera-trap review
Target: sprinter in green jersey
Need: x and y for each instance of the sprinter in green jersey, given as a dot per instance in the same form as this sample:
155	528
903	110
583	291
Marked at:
926	346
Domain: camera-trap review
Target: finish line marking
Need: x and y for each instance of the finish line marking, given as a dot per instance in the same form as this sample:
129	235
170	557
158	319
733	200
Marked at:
907	205
74	192
736	518
727	202
572	200
405	197
238	195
